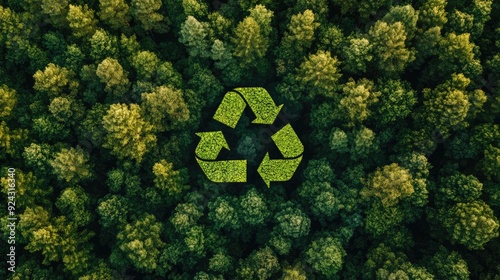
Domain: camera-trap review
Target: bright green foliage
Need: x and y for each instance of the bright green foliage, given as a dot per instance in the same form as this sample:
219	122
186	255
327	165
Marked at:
101	271
364	143
9	138
223	213
194	36
140	242
390	52
111	73
294	273
220	262
432	13
103	45
382	263
146	13
390	184
30	191
357	97
406	15
491	163
357	55
471	224
164	108
457	55
447	105
128	135
173	182
338	140
460	188
7	101
325	255
448	265
380	218
396	101
185	217
73	203
292	222
54	80
81	20
263	17
319	73
146	64
250	41
194	8
261	264
56	11
300	32
254	210
113	210
116	13
71	165
56	239
37	157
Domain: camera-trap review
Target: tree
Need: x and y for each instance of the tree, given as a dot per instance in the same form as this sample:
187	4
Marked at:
390	184
7	101
406	15
128	135
165	108
261	264
54	80
223	213
356	98
113	211
73	204
56	10
254	210
146	13
320	73
173	182
81	20
194	8
459	188
70	165
140	242
111	73
116	13
325	255
432	13
250	41
263	17
146	64
104	45
390	53
471	224
447	105
193	35
357	54
446	264
395	102
491	163
292	222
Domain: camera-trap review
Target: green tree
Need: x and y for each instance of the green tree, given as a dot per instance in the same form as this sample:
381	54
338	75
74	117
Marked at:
319	73
54	80
292	222
193	35
128	135
173	182
389	184
104	45
112	74
146	64
396	101
325	255
390	52
254	210
74	204
71	165
471	224
7	101
448	265
140	242
81	20
165	108
113	211
432	13
261	264
357	54
491	163
355	101
116	13
56	11
250	41
146	13
223	213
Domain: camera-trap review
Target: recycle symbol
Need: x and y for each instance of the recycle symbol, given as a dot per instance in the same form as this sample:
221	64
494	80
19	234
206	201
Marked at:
235	171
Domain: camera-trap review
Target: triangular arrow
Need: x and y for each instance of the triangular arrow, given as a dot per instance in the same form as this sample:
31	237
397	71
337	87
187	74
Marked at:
277	169
261	103
210	145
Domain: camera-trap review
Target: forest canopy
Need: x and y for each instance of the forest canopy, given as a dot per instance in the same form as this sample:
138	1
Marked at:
397	104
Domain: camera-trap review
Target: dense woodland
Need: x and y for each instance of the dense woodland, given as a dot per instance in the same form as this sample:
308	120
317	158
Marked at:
396	102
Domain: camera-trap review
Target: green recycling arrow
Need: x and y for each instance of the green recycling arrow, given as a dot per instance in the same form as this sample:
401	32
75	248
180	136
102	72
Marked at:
277	169
225	171
291	148
234	102
229	112
210	145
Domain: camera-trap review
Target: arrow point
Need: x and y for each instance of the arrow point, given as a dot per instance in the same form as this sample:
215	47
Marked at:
269	117
261	172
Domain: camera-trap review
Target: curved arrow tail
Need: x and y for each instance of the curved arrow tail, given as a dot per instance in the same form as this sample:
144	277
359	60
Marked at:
278	170
227	171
